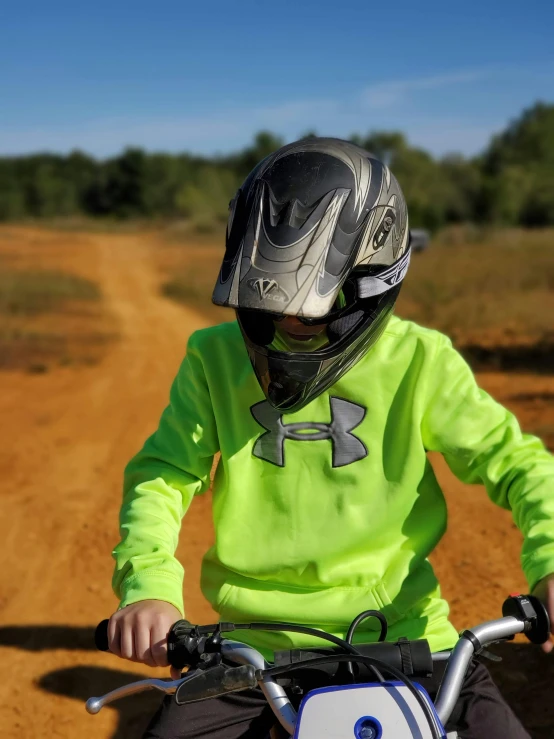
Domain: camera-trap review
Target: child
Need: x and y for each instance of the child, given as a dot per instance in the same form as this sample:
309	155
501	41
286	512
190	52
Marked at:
323	406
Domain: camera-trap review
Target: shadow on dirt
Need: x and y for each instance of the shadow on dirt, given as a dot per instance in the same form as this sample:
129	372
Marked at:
525	677
42	637
537	358
545	397
82	682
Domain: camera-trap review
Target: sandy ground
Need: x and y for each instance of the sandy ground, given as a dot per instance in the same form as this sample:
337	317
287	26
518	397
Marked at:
64	439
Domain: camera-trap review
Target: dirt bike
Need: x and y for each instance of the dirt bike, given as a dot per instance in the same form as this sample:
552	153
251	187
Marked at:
348	694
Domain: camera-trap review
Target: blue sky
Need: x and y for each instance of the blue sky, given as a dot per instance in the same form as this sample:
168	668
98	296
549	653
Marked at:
205	76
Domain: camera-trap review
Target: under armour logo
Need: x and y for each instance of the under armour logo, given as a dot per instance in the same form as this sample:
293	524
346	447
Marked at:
345	417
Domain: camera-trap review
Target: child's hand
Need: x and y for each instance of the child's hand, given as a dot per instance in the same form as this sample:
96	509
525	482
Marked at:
139	633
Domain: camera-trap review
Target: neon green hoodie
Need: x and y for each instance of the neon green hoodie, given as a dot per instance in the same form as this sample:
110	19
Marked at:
316	530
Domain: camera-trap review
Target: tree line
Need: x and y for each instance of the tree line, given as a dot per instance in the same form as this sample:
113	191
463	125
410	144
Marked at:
510	183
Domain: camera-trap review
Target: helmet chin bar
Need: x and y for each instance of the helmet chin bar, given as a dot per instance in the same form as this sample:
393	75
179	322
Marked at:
285	383
274	392
290	382
281	397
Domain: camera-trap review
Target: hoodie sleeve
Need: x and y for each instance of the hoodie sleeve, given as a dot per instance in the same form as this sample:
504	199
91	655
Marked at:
482	442
159	484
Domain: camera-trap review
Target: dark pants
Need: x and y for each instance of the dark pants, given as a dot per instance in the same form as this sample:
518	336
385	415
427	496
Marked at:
481	713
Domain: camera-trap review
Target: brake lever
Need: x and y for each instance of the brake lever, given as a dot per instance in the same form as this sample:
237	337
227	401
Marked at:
203	684
93	705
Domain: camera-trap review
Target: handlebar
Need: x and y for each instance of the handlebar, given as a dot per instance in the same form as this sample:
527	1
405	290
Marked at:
204	648
189	646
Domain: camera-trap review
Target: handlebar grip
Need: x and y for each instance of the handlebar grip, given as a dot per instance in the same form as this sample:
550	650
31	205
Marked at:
180	645
532	611
101	635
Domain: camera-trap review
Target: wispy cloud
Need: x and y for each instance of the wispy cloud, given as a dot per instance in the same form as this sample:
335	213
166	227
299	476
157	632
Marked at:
227	129
208	133
386	94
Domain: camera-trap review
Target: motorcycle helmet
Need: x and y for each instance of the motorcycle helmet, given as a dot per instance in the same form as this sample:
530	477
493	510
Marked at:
318	231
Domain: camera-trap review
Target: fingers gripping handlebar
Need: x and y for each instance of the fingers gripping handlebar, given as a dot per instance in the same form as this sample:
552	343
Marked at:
187	645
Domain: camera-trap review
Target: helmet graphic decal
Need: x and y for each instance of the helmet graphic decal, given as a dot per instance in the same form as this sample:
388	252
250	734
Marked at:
268	289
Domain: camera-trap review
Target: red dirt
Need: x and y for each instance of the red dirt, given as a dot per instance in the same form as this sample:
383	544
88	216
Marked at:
64	439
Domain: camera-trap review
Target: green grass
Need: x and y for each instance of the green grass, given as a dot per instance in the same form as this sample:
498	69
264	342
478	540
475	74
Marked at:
30	292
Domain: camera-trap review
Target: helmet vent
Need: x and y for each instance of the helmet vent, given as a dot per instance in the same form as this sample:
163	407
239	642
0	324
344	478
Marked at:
293	213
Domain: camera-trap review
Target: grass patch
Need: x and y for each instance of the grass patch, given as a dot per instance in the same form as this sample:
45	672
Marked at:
29	292
496	290
50	318
89	225
174	229
38	351
184	290
194	287
182	232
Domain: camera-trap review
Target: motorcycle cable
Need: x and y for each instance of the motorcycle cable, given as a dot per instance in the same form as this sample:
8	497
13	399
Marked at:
296	628
344	644
183	628
354	625
362	617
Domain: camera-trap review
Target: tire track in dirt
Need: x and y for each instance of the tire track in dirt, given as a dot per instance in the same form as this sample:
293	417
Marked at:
65	438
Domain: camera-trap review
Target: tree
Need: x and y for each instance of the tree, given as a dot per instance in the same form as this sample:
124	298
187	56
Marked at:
464	184
519	170
12	196
118	188
47	191
528	141
265	143
205	200
511	183
421	178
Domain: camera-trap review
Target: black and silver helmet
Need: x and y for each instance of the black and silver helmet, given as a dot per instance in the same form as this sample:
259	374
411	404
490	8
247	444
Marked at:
318	231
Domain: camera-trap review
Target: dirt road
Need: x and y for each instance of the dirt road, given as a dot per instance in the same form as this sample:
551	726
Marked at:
64	439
